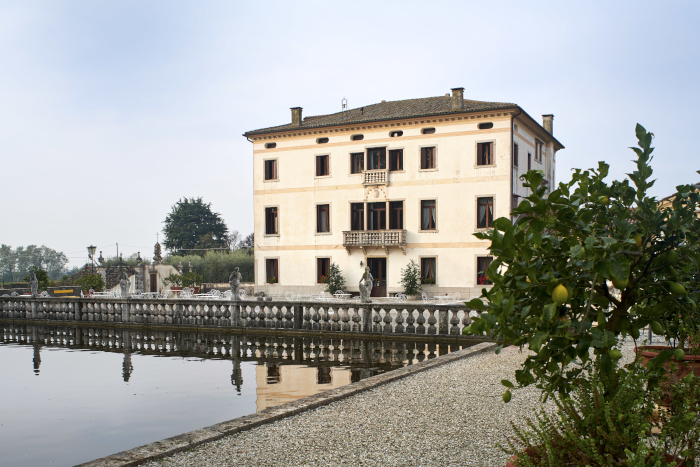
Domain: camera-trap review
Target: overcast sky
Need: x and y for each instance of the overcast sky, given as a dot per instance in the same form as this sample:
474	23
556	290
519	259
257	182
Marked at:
112	111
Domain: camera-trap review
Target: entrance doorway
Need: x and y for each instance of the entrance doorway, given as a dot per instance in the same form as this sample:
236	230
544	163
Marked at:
154	282
377	267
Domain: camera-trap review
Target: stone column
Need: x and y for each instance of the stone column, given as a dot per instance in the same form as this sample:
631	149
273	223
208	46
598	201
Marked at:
442	322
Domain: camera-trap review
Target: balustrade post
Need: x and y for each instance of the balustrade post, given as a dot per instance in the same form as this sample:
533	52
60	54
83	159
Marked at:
236	314
77	309
298	320
125	312
442	314
34	308
366	318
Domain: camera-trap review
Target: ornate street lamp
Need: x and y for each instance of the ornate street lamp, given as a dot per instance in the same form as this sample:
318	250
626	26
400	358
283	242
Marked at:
91	253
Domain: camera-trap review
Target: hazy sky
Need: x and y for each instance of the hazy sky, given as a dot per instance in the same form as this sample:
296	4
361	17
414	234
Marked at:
112	111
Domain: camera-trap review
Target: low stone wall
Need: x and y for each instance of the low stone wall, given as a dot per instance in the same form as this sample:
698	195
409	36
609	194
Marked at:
349	316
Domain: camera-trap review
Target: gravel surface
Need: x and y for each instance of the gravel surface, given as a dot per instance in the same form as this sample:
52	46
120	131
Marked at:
448	416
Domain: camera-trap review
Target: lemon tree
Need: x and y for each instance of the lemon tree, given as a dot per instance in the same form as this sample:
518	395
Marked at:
553	269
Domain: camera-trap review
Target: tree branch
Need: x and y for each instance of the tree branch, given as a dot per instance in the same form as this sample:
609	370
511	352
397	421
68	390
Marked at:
629	253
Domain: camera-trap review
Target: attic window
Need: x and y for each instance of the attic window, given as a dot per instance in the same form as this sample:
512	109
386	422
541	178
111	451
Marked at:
428	131
485	126
357	137
322	140
396	134
270	145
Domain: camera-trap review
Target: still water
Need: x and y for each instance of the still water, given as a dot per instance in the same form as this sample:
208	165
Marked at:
73	394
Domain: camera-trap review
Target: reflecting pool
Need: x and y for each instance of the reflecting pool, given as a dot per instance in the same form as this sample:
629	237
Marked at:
72	393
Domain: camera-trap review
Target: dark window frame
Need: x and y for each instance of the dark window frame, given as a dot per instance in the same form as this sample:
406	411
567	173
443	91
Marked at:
515	154
323	267
272	220
321	210
357	137
321	140
379	161
428	269
395	160
431	213
427	131
485	126
487	203
396	215
360	158
323	165
482	266
270	169
529	161
270	145
428	158
357	216
376	216
485	158
272	269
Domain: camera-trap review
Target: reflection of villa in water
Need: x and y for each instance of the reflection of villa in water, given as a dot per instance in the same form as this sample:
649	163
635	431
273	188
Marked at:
279	384
288	368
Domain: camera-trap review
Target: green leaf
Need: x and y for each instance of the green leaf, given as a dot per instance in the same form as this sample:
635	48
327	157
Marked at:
550	310
620	268
507	383
609	339
537	341
475	304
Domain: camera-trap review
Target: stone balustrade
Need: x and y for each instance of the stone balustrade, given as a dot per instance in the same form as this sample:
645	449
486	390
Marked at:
375	177
351	316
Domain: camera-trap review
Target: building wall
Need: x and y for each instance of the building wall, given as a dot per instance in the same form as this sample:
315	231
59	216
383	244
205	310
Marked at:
455	185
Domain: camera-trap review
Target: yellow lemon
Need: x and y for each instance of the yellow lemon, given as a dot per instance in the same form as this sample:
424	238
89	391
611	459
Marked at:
560	294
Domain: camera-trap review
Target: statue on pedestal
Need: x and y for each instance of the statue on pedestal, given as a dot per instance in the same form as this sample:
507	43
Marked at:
33	283
366	283
124	285
234	281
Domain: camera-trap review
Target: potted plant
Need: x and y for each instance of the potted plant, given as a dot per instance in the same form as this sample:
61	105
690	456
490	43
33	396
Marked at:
334	280
272	280
410	280
551	270
187	279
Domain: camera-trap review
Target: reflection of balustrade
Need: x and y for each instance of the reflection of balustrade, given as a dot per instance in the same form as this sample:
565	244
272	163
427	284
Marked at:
375	238
339	316
375	177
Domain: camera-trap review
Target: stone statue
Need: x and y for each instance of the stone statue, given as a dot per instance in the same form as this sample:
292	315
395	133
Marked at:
366	283
33	283
124	285
157	256
234	281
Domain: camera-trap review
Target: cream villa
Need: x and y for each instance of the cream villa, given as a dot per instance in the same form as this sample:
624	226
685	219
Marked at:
388	183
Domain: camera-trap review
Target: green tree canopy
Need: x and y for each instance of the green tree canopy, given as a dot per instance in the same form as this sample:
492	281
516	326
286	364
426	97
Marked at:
192	224
16	263
587	265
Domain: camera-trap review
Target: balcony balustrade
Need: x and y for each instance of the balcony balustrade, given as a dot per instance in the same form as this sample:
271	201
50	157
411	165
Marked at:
375	238
375	177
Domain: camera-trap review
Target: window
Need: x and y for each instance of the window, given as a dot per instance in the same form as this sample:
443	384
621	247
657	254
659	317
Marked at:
427	270
529	161
427	158
538	151
428	131
376	216
484	216
357	137
396	159
273	374
514	202
484	154
485	126
271	226
322	140
396	134
357	216
271	170
396	214
482	265
376	159
322	167
356	160
323	266
428	216
270	145
323	223
271	271
515	154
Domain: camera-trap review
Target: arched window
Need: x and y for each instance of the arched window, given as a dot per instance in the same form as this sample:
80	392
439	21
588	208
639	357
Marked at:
270	145
428	131
396	134
357	137
485	126
322	140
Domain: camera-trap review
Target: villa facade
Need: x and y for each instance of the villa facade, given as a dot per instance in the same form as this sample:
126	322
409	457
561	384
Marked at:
388	183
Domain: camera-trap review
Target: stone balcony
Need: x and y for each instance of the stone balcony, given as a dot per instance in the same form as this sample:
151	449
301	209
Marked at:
375	238
375	177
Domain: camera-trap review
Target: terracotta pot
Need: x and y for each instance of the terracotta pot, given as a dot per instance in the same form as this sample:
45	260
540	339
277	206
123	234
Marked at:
511	461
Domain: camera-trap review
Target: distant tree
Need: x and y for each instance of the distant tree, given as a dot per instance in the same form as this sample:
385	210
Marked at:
16	263
192	224
247	244
130	260
233	240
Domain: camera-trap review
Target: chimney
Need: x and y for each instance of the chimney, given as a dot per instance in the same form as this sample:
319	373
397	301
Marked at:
296	116
548	123
457	98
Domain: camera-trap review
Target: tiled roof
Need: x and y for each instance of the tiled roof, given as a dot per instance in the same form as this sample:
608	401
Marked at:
388	111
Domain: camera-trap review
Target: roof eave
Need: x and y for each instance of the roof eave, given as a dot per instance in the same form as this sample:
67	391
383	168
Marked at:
557	143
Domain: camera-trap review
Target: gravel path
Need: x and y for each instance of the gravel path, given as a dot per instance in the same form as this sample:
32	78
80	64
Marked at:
448	416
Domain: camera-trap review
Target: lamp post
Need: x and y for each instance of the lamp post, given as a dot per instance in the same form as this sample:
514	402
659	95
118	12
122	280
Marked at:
91	253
